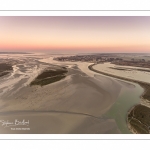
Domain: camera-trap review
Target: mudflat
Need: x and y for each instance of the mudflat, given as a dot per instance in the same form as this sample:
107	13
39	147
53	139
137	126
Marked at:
75	104
138	116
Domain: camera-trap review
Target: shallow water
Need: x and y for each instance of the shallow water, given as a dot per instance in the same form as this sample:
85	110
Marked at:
128	97
126	100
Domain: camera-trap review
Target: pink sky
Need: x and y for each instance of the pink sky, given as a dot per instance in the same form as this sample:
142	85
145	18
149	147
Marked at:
75	34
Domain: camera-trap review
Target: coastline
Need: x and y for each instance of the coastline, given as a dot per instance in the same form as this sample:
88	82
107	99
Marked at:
118	77
143	101
64	96
128	122
67	95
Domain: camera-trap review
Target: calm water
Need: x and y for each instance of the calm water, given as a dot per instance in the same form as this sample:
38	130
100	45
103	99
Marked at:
126	100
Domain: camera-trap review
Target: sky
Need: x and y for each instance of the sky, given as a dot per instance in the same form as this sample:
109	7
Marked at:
108	34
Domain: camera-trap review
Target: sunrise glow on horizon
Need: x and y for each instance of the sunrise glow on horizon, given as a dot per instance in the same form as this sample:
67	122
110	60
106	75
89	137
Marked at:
81	34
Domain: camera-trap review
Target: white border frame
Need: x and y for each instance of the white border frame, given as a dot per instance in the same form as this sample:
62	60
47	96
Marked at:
75	136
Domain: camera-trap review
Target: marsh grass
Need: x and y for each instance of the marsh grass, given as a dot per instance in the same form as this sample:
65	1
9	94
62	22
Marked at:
49	76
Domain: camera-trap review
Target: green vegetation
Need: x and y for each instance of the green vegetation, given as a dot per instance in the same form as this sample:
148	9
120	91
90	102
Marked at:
49	76
46	81
139	128
117	68
51	73
139	119
145	85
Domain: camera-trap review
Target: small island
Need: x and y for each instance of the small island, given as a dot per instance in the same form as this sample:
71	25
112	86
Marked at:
50	75
139	119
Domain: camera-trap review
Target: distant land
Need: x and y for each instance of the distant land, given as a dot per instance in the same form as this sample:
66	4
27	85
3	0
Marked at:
15	53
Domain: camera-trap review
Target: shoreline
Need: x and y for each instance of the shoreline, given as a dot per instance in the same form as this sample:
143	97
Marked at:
66	96
128	122
115	76
143	101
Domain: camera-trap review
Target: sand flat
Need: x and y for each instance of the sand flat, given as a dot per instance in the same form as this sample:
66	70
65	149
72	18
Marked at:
57	123
132	74
75	104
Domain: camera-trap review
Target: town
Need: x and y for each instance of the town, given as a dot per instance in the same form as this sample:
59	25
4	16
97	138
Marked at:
117	59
